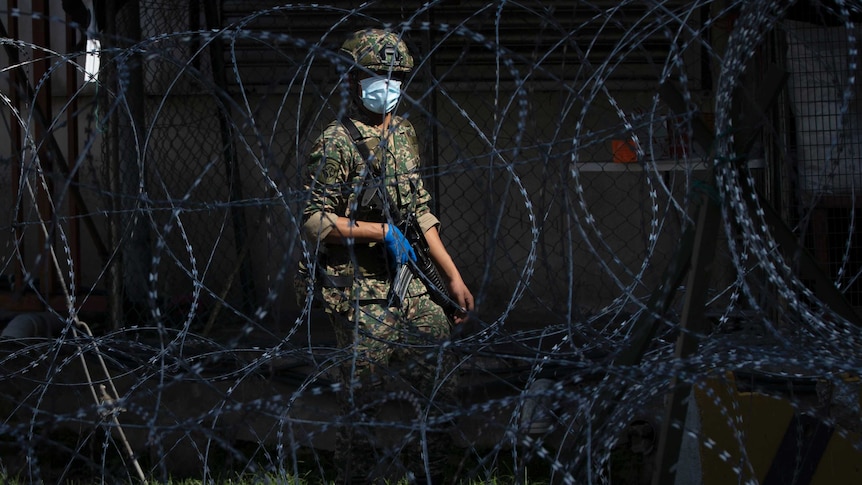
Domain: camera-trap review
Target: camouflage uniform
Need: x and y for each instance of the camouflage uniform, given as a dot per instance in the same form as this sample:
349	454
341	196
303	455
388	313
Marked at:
393	354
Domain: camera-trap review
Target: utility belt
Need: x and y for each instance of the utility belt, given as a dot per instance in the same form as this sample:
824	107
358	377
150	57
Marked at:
333	281
339	265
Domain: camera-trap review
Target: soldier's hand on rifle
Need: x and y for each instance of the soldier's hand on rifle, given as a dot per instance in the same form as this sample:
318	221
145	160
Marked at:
397	245
459	292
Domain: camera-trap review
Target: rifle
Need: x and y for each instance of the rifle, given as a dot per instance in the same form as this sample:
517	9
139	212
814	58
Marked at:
424	267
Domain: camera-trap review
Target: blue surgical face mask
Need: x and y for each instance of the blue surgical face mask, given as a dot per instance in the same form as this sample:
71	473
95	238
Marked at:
380	94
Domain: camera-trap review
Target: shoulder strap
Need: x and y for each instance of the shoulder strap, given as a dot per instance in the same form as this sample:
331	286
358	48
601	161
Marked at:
365	152
360	145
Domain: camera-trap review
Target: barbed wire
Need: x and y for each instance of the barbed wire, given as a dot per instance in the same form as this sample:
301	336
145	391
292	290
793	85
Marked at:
654	203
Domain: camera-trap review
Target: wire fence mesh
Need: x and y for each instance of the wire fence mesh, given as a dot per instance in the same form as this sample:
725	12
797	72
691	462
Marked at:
652	201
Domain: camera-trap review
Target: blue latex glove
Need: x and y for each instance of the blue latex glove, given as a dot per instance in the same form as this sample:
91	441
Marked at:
397	245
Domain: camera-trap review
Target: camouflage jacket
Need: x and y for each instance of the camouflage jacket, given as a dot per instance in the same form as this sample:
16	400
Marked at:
335	183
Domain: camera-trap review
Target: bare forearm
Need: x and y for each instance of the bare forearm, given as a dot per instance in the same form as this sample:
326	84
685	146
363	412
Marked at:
359	231
440	256
458	290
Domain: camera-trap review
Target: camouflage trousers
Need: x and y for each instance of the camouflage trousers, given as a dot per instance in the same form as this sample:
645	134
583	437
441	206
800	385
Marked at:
397	387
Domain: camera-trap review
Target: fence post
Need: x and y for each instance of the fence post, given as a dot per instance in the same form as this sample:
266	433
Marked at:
129	231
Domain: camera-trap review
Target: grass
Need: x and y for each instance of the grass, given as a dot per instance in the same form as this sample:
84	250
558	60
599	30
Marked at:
255	480
314	467
309	478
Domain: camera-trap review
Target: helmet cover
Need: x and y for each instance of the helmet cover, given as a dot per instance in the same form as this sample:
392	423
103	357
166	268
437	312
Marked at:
378	50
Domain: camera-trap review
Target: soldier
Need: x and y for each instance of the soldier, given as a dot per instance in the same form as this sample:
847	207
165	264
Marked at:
394	346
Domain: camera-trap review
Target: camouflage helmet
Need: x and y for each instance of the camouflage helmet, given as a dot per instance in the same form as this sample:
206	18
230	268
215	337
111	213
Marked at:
378	50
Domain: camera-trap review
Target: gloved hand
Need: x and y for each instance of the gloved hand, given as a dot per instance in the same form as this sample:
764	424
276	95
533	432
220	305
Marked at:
397	246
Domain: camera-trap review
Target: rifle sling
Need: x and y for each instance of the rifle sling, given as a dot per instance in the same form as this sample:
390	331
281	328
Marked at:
360	145
365	152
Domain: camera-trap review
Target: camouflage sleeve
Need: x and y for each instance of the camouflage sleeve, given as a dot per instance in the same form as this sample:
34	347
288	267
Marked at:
327	173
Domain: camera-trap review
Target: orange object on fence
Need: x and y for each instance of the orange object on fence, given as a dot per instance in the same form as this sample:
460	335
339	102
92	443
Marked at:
624	151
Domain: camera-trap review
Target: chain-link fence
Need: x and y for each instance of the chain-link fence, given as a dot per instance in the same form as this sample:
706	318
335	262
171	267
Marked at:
647	199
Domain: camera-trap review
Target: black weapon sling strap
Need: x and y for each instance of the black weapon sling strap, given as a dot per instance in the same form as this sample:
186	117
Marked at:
372	169
351	128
